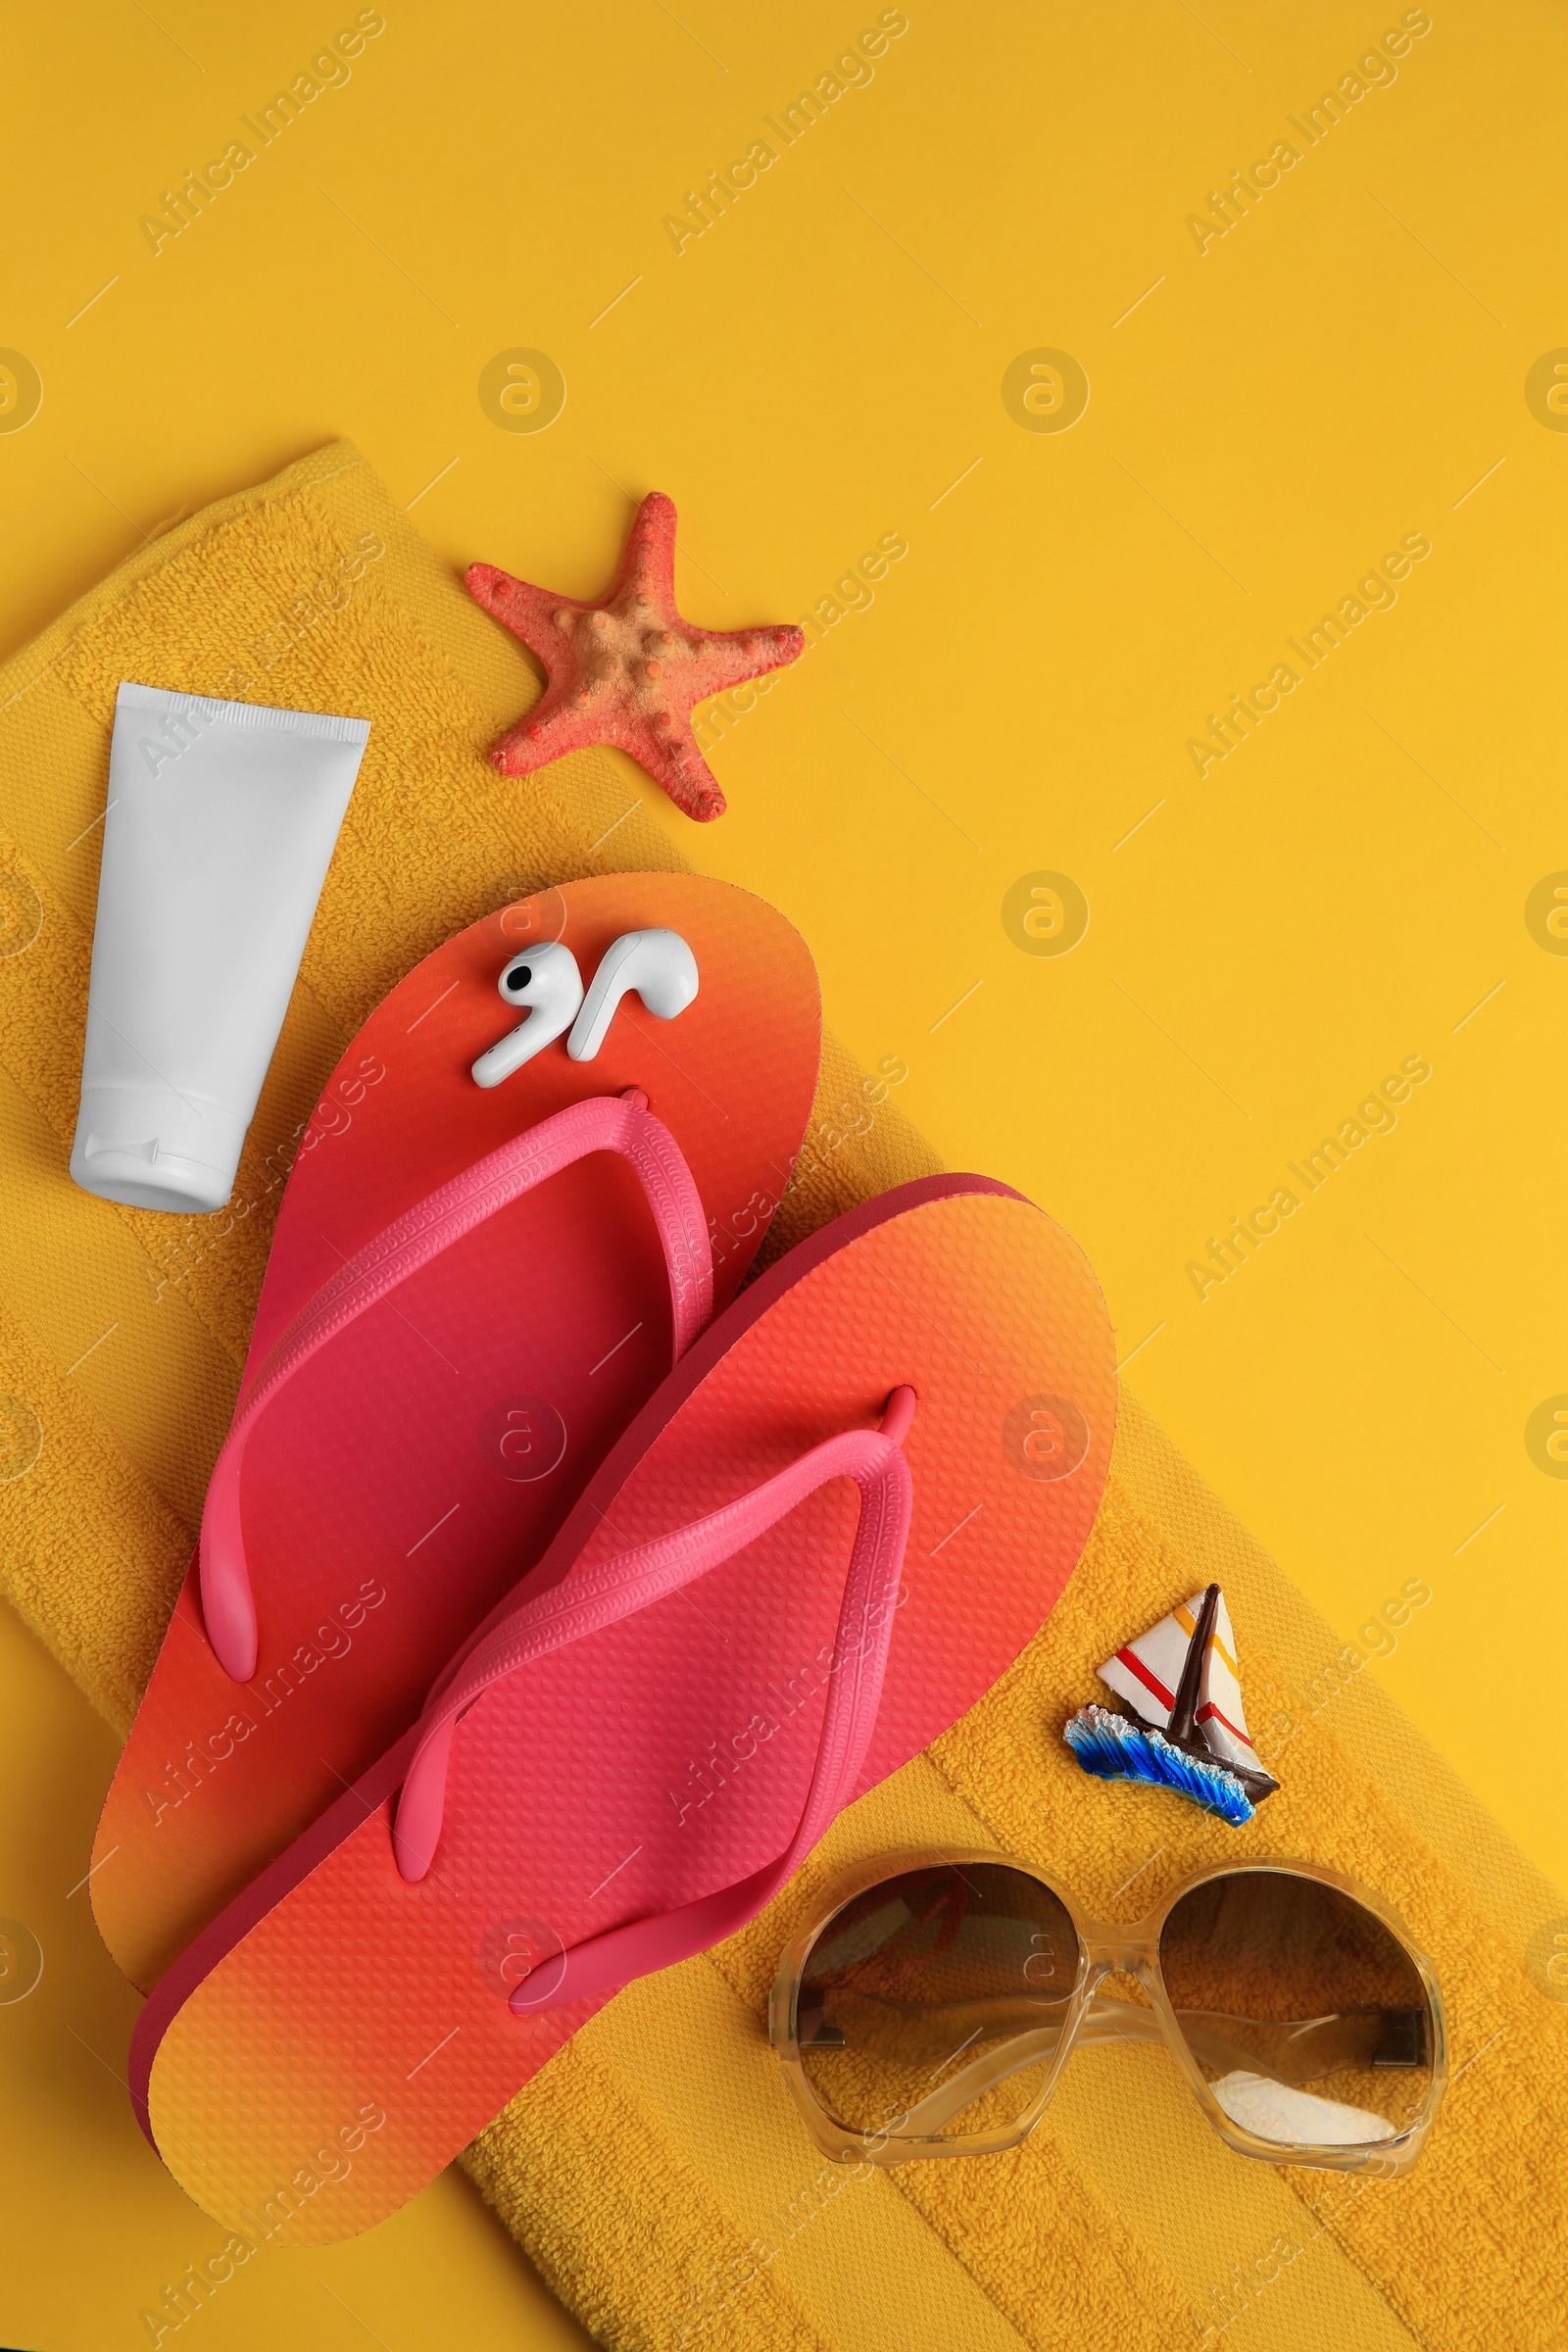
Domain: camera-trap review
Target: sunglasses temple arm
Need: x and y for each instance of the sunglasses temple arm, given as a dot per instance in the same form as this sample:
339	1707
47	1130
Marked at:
1118	2020
981	2074
1123	2021
1103	2020
1297	2054
1108	2020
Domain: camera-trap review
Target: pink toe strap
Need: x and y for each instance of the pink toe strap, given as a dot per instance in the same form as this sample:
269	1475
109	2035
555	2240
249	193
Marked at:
603	1123
633	1580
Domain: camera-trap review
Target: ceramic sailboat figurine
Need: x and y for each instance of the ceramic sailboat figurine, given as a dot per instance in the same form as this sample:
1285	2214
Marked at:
1181	1677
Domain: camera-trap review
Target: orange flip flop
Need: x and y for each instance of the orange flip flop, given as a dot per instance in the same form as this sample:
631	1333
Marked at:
461	1310
832	1528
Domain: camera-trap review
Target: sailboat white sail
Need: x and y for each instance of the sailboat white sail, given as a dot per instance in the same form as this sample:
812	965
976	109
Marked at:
1146	1672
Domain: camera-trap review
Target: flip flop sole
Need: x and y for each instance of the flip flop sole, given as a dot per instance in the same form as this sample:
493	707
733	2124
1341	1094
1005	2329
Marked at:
402	1482
339	2034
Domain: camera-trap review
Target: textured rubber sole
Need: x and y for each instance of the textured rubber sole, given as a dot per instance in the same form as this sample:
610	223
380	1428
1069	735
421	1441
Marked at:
339	2035
405	1481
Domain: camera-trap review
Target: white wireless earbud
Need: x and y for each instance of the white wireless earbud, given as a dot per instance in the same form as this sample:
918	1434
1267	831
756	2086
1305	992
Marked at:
657	965
546	980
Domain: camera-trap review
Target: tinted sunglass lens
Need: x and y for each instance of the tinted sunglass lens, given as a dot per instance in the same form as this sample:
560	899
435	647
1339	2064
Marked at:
1308	2017
932	2003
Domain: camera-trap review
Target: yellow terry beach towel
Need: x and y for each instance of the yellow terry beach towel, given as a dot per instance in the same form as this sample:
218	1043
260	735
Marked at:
656	2172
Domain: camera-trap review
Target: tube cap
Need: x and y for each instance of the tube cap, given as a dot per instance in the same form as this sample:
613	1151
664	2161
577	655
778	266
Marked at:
149	1148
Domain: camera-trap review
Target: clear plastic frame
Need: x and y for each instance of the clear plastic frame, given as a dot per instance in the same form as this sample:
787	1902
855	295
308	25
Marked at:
1271	1983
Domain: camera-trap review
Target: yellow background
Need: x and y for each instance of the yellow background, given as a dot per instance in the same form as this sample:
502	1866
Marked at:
821	366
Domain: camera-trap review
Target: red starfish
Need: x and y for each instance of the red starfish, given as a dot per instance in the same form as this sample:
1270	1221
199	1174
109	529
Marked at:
627	670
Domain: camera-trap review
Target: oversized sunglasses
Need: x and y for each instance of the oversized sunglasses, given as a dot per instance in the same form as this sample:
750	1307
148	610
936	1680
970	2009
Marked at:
931	2003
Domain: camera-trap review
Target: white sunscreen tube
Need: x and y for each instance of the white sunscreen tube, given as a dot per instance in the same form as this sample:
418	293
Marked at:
221	823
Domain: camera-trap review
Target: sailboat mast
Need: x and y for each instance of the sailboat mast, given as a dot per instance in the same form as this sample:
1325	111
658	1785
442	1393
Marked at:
1183	1711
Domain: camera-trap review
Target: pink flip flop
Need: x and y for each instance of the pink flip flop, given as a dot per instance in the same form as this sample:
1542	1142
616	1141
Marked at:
472	1290
834	1526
